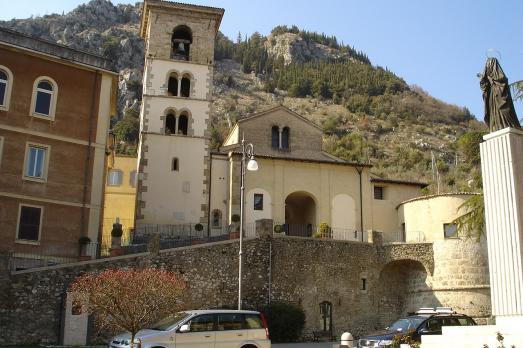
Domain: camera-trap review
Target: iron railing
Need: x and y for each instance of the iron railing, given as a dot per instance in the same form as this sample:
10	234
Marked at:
312	231
31	256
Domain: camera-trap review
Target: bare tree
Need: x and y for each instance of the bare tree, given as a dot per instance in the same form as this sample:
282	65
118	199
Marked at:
129	299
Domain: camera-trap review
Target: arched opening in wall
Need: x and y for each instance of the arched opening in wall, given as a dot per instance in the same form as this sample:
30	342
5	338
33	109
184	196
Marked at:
170	124
181	43
185	88
275	137
172	85
183	123
285	137
407	290
300	214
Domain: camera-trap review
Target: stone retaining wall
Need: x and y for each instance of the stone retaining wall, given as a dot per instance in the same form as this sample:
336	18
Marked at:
304	271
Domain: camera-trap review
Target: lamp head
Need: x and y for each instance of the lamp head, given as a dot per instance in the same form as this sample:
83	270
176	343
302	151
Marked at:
252	165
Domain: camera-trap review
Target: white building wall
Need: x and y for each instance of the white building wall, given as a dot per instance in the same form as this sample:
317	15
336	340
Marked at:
174	197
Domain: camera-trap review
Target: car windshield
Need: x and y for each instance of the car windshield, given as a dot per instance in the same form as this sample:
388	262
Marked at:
406	324
170	321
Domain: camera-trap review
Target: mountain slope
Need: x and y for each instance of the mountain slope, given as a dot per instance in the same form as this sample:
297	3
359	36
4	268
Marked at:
368	113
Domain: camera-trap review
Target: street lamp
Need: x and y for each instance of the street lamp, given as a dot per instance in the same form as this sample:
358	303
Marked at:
252	165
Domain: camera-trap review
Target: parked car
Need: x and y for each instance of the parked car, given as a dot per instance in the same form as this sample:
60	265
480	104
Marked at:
426	321
202	328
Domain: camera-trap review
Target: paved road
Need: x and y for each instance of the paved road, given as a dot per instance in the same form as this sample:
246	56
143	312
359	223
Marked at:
305	345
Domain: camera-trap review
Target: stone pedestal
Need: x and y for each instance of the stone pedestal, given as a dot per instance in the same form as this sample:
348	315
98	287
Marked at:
75	320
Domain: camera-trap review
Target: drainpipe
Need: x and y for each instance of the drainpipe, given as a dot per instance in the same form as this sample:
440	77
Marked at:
360	170
270	273
88	155
209	199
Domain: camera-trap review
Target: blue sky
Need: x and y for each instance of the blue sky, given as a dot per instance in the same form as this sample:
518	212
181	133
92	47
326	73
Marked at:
439	45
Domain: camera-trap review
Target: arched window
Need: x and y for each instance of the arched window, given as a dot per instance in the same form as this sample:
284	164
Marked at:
175	165
183	123
216	218
172	85
6	81
275	136
170	124
185	88
44	97
181	43
285	134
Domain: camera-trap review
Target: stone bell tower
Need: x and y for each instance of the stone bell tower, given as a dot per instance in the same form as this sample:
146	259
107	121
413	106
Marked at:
173	154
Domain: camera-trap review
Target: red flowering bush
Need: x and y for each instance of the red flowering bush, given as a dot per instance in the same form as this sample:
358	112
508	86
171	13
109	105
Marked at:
129	300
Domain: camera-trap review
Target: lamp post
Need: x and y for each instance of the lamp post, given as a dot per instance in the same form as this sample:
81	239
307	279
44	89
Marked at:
252	165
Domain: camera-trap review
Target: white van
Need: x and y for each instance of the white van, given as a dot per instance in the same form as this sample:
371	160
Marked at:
202	328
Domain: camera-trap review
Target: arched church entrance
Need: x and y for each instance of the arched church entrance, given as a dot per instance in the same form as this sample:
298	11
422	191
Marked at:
300	214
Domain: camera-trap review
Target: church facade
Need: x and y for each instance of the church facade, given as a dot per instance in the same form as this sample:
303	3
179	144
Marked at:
298	185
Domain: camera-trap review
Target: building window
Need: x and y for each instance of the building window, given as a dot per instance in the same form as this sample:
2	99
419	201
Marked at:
114	178
36	162
6	82
403	236
172	85
183	123
363	284
181	41
285	134
275	137
132	178
450	230
216	218
378	192
44	98
258	201
170	124
185	87
175	165
29	223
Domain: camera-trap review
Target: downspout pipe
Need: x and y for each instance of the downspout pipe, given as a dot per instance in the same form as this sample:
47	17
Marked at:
83	224
360	171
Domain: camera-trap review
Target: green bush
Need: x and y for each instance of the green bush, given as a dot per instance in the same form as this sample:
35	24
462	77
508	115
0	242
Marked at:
285	320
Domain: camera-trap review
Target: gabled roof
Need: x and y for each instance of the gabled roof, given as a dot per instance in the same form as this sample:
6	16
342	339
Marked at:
211	11
276	108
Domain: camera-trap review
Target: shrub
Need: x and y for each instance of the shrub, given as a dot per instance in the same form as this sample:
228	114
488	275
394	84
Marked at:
198	227
325	230
235	218
285	320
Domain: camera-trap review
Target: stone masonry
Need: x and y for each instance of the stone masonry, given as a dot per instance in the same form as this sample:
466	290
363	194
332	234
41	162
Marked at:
398	278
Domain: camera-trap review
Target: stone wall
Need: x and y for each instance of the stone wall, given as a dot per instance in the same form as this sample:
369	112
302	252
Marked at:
304	271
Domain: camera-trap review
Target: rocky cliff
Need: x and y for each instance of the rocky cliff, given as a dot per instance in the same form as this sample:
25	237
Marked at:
394	126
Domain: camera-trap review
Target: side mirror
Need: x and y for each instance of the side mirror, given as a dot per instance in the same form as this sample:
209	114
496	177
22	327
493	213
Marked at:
185	328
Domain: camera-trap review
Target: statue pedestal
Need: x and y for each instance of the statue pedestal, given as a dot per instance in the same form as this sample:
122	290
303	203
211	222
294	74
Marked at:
502	169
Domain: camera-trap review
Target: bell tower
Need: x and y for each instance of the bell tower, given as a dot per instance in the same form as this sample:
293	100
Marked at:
173	154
